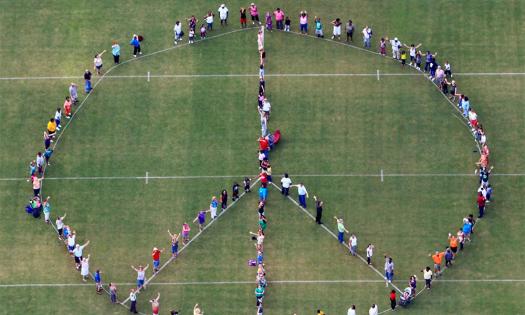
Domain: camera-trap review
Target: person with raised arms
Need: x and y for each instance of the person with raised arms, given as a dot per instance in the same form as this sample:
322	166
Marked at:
141	276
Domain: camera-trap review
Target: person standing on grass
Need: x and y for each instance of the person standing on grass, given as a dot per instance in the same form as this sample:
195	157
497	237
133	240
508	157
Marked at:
59	223
366	37
437	258
47	155
84	268
177	30
382	47
51	127
71	242
448	257
243	17
40	161
389	270
412	283
224	199
259	295
351	310
223	14
268	21
302	194
318	210
37	183
352	244
481	204
98	282
214	204
412	51
350	31
337	29
427	275
453	243
247	185
77	252
318	27
374	310
141	276
201	217
396	45
155	255
340	229
32	167
279	18
87	81
113	292
47	142
254	13
133	300
97	62
235	191
287	23
209	20
263	223
197	310
185	233
67	107
174	244
115	51
155	305
303	22
392	298
47	209
58	118
73	92
135	42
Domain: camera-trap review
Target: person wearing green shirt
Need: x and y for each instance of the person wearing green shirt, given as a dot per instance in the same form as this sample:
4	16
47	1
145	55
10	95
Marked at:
341	229
262	222
259	294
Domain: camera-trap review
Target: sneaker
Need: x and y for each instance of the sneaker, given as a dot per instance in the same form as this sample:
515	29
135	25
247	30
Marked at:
134	55
140	52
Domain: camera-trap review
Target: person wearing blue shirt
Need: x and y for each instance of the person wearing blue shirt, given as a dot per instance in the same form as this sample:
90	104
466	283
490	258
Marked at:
115	51
135	42
98	282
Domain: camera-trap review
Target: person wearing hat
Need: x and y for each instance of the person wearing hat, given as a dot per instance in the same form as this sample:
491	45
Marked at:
223	14
254	13
396	44
155	254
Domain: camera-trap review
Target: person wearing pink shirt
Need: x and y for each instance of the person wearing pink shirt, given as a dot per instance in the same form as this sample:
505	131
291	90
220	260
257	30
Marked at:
254	13
279	18
303	22
185	233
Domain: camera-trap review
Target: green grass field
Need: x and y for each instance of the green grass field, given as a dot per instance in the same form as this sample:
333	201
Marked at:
202	131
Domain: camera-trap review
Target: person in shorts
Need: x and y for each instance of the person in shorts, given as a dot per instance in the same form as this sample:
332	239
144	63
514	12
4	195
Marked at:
155	255
243	17
318	27
185	233
97	62
141	275
201	217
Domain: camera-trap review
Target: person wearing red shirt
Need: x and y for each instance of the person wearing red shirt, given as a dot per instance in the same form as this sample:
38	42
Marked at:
155	254
481	204
393	299
264	146
264	179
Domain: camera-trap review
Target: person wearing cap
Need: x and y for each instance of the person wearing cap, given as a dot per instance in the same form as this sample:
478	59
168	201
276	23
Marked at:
396	44
223	14
155	254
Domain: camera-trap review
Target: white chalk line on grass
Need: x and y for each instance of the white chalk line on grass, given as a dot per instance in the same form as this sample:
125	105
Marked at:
284	282
191	240
335	236
187	177
242	75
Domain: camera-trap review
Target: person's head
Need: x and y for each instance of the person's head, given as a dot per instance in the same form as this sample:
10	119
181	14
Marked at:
87	70
252	4
97	271
395	39
350	22
285	175
114	42
466	98
222	5
77	246
52	120
393	291
353	306
39	154
59	109
155	249
389	259
428	268
261	67
373	306
67	98
338	20
214	198
278	9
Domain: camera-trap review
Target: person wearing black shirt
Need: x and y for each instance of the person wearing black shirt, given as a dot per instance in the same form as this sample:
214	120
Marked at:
319	209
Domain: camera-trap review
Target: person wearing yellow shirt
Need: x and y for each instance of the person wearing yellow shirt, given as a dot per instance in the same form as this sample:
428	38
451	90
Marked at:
51	127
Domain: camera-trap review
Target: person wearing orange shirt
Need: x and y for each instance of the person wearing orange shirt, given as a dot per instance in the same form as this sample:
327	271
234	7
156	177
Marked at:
453	242
437	258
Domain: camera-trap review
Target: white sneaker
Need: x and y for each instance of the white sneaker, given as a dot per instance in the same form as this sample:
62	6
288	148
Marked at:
140	52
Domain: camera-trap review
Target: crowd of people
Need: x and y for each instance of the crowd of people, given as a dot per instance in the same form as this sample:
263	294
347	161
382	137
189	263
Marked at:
440	74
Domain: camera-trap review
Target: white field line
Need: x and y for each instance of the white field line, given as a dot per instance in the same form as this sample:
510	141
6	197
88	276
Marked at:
219	283
192	239
335	236
241	75
187	177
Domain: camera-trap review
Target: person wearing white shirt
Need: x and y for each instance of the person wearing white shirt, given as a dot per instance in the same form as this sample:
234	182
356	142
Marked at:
369	253
396	44
209	21
286	182
77	252
223	14
374	310
264	124
351	310
352	242
266	107
366	37
84	270
427	275
302	194
133	300
177	29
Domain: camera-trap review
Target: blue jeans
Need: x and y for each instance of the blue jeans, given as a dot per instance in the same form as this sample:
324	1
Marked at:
87	86
302	201
303	28
389	275
210	26
341	237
